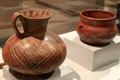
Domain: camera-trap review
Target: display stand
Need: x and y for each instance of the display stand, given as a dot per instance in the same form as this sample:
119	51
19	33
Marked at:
62	73
91	57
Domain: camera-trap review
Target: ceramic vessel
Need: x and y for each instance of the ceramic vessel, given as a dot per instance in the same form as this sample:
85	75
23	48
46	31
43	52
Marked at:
97	27
33	51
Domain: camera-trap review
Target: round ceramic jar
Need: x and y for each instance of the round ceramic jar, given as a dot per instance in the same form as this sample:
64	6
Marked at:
97	27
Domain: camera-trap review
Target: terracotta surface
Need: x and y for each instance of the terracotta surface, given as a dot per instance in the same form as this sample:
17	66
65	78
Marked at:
97	27
35	51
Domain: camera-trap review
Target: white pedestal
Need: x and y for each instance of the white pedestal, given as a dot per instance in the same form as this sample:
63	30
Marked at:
91	57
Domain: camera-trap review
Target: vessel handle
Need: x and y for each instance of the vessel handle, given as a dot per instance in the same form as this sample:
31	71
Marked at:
14	19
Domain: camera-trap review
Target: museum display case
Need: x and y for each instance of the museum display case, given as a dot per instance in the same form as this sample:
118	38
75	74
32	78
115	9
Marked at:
26	45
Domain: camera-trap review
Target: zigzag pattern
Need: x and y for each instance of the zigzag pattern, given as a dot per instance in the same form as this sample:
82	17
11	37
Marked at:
33	56
36	13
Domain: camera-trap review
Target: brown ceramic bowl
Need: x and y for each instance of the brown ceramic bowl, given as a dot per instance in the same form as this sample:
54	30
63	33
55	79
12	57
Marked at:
97	27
